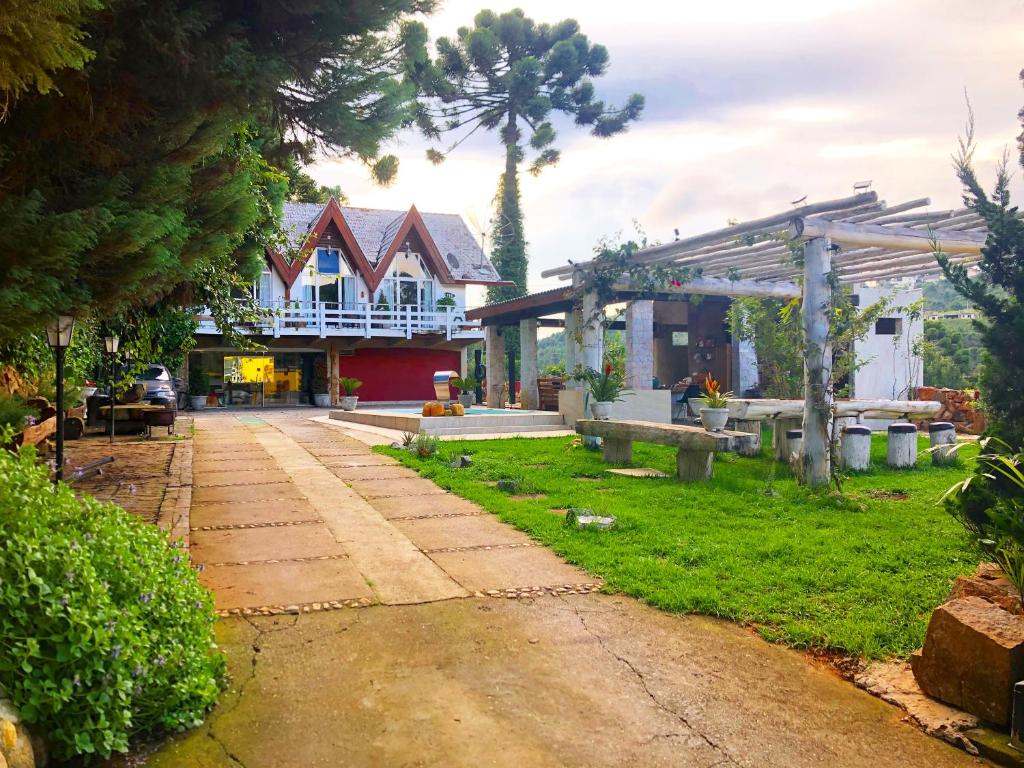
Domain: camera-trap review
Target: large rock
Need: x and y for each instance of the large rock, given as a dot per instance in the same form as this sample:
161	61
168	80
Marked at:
16	745
998	591
972	656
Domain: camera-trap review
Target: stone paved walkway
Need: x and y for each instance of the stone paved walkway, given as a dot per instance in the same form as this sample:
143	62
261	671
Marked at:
297	520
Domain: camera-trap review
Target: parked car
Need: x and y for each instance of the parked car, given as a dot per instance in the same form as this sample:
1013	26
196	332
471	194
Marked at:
159	383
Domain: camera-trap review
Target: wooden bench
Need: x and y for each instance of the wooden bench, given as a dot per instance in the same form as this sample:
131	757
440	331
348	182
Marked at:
697	446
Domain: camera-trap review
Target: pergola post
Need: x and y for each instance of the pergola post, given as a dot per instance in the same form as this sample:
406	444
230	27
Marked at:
816	453
639	344
529	397
573	349
593	331
494	344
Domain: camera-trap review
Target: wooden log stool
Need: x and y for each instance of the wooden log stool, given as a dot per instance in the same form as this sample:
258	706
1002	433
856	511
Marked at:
794	442
901	452
942	435
751	427
855	448
780	445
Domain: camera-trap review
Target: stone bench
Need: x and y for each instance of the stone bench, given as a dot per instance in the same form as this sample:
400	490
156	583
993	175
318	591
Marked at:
697	447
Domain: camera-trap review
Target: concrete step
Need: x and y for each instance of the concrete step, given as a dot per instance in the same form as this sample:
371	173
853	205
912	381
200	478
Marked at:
502	430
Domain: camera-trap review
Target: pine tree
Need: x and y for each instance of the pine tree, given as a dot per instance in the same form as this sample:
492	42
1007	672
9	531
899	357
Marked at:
508	73
998	293
152	171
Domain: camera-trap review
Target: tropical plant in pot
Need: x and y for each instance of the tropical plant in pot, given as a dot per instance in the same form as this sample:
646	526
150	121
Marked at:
605	389
348	387
466	386
714	412
198	387
320	386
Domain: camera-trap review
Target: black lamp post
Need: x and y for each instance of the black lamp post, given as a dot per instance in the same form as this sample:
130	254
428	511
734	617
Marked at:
110	344
58	336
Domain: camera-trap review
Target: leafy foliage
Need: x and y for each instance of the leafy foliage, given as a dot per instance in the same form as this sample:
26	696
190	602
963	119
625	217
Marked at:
107	632
465	384
951	350
772	331
14	413
349	385
712	394
319	384
198	381
605	387
509	74
998	293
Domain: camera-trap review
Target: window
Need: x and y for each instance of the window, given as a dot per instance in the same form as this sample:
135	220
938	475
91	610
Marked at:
889	326
680	338
328	261
261	289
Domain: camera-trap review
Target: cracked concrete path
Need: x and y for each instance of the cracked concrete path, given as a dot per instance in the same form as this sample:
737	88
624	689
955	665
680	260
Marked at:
548	680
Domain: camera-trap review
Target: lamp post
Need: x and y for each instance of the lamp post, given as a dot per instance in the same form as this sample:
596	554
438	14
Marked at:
110	344
58	336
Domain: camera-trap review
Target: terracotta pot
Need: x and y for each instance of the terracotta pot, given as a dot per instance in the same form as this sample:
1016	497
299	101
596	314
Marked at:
601	410
714	419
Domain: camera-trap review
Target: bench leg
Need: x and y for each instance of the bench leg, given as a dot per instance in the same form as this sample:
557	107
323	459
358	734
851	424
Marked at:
617	451
752	428
694	466
780	446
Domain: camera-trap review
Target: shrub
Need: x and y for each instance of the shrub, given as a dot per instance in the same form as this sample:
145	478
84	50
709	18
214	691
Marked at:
106	631
198	382
990	505
425	445
349	385
319	383
14	412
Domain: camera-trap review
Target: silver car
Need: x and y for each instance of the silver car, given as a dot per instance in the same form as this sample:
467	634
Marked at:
158	381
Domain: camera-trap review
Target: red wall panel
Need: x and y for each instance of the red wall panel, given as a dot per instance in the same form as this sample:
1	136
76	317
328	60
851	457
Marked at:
398	374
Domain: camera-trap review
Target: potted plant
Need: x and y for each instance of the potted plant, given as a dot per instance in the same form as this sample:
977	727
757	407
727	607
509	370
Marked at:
605	389
198	388
714	412
349	397
466	387
321	388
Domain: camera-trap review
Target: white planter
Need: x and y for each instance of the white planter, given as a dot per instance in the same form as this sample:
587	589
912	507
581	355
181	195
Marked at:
601	410
88	392
467	399
322	400
714	419
348	403
198	402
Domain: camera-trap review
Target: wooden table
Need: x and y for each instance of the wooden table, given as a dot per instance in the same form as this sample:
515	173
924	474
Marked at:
696	446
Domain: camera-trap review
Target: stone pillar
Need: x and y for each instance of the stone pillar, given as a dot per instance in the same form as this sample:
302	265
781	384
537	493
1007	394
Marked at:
593	332
639	344
494	346
573	352
529	397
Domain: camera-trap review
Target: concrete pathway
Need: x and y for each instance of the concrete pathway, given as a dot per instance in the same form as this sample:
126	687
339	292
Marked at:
472	646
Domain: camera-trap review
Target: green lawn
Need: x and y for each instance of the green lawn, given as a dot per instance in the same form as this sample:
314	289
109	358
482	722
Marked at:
858	575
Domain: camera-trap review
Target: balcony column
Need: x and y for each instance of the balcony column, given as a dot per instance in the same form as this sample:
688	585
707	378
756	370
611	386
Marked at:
639	344
494	347
529	396
573	352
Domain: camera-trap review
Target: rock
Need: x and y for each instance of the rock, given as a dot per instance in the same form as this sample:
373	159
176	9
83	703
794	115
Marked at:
585	518
997	591
972	656
509	486
16	743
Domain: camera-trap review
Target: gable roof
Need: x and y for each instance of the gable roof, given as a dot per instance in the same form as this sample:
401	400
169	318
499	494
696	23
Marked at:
373	236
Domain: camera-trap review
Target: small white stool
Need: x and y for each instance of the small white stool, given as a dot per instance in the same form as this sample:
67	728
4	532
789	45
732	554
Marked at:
942	435
902	449
794	442
855	448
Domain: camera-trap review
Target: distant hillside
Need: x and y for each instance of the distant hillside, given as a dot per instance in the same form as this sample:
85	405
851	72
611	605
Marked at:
551	351
939	296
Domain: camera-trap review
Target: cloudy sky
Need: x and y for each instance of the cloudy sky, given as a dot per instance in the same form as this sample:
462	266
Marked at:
750	104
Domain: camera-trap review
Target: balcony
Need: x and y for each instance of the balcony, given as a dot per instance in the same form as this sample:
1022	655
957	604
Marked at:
326	319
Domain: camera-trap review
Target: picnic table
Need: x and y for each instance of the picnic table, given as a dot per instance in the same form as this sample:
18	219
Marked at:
696	446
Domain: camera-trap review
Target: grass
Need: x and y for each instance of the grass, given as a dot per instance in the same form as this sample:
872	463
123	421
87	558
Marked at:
858	574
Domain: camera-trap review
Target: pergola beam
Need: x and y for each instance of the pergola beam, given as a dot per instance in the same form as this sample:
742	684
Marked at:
892	238
719	286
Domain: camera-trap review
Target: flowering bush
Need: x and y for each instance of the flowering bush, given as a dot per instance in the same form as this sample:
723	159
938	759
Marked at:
605	387
106	633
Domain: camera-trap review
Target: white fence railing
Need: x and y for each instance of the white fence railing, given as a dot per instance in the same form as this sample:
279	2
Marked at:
324	318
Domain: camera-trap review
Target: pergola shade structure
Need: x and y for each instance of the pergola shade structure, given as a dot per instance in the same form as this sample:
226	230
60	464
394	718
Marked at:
858	238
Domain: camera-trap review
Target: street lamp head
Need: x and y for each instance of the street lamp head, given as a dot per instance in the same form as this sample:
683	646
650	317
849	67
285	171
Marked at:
110	344
58	331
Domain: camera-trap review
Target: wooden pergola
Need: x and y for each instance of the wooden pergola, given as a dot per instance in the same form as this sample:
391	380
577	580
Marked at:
859	238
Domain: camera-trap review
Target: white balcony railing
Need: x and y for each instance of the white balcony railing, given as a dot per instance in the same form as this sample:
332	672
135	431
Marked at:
323	319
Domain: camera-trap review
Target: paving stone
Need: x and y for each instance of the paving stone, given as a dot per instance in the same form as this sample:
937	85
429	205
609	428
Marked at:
243	493
238	477
637	472
249	544
469	531
251	512
380	488
384	472
424	506
234	464
260	584
358	460
514	567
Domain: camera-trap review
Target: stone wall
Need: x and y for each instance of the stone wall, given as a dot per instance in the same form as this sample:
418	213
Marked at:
958	407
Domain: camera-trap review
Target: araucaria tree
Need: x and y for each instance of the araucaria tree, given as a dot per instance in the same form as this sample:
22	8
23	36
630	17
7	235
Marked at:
510	74
998	292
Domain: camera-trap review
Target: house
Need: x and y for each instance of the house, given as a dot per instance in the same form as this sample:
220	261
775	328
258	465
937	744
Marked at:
372	294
